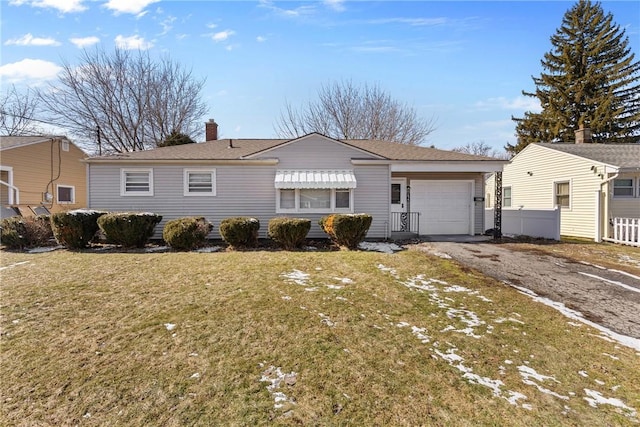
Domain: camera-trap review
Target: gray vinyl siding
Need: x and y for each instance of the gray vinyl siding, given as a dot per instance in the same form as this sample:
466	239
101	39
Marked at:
240	191
478	179
315	152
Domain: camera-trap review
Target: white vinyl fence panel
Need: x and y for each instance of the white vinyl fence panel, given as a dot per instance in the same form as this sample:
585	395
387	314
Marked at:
626	231
543	223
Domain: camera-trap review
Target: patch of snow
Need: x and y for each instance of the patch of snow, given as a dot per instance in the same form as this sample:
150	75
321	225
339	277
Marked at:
384	247
344	280
528	374
286	298
599	382
577	325
195	376
442	255
44	249
583	374
170	326
419	333
510	319
209	249
334	287
152	249
326	320
296	276
576	315
14	265
611	356
596	398
309	248
276	378
508	362
483	298
628	259
342	299
194	354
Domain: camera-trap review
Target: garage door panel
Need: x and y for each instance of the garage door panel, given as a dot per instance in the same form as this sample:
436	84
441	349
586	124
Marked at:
444	206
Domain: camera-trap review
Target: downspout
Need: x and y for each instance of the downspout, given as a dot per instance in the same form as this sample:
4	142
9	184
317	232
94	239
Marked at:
606	200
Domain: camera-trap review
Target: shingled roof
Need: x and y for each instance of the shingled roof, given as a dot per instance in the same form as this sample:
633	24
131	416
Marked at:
241	149
619	155
7	142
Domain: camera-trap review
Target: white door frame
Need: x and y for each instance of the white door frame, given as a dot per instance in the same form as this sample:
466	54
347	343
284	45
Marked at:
402	206
471	203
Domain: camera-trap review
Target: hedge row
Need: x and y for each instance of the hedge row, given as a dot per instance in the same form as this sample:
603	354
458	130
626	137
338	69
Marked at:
76	229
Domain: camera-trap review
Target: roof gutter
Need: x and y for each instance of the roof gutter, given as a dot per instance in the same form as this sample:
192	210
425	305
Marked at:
182	161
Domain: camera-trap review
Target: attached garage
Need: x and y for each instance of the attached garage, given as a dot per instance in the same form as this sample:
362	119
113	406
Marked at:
445	207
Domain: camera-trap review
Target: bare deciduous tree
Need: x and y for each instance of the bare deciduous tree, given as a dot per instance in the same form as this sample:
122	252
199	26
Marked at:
344	110
480	148
125	100
17	111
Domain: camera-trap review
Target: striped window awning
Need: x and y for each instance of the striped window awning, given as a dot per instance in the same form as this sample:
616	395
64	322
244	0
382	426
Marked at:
315	179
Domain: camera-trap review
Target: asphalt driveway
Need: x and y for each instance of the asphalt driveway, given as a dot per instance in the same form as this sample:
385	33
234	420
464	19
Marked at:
604	296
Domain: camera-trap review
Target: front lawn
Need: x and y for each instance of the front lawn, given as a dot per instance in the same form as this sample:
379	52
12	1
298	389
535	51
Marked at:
294	338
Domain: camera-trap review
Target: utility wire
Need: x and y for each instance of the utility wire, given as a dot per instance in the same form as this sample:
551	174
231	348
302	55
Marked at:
31	118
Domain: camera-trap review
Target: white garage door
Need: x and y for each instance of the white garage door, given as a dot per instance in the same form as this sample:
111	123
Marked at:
444	206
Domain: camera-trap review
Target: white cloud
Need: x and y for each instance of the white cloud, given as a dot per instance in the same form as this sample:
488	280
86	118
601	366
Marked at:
29	70
520	103
64	6
212	26
416	22
300	11
222	35
337	5
134	7
261	39
132	42
29	40
167	24
82	42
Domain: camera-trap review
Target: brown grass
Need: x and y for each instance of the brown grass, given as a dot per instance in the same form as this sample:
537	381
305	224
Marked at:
84	341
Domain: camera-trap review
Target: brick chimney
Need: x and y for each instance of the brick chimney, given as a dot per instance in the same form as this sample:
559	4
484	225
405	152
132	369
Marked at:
583	135
210	130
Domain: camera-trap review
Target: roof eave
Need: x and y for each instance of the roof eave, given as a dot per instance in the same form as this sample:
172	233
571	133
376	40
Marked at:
183	161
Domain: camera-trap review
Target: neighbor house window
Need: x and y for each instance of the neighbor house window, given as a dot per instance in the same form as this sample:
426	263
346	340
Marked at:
562	193
506	197
199	182
315	200
65	145
487	200
66	194
623	187
136	182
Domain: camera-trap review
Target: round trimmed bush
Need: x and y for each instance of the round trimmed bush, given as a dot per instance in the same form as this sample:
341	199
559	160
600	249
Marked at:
75	229
346	230
129	229
187	233
25	232
240	232
290	233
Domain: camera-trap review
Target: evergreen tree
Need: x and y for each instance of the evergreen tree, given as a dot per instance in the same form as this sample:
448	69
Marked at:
589	78
176	138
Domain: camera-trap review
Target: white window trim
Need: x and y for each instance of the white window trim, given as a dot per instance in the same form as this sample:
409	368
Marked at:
73	194
561	181
332	209
65	145
634	189
185	181
123	189
510	196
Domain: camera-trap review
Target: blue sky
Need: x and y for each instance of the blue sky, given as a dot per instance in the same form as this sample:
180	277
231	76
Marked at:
464	64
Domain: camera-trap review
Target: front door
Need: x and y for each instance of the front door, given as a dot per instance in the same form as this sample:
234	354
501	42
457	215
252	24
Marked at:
398	194
398	204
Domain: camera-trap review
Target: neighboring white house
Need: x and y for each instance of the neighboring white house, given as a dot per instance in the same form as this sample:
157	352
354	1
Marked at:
593	184
407	189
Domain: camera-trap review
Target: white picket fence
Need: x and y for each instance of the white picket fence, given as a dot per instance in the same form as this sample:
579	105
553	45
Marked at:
543	223
626	231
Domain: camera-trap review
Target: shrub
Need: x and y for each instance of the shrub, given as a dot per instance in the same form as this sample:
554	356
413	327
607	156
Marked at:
240	232
75	229
290	233
346	230
129	229
186	233
18	232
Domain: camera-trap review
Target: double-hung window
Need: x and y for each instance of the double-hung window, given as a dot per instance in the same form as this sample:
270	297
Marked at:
623	187
562	194
199	182
136	182
506	197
